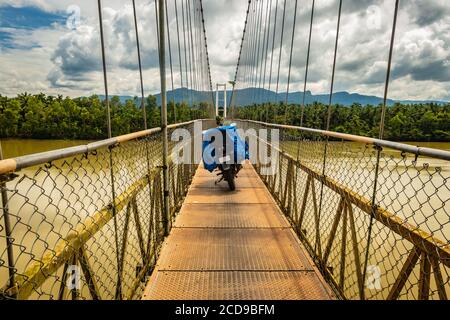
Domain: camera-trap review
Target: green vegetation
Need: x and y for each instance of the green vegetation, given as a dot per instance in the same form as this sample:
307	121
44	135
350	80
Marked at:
47	117
420	122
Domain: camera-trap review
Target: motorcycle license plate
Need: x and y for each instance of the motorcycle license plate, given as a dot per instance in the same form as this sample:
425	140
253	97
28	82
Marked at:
224	159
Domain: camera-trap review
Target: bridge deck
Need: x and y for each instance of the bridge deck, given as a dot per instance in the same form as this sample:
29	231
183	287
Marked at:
233	245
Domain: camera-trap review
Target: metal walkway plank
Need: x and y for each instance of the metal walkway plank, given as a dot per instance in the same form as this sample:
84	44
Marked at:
298	285
233	249
229	215
202	195
244	182
233	245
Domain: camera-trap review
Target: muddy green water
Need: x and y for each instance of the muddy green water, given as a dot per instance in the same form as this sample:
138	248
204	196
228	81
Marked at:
19	147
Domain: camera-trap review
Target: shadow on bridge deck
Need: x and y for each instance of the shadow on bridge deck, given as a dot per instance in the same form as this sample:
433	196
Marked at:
233	245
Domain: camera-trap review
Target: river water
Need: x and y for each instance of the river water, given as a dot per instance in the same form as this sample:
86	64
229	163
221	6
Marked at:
19	147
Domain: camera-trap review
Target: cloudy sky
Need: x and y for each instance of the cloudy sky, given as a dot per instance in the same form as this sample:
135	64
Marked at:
52	46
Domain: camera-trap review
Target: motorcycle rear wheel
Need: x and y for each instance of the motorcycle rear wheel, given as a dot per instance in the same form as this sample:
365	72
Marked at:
229	176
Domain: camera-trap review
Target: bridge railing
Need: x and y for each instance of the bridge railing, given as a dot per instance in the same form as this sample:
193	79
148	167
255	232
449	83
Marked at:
374	215
87	222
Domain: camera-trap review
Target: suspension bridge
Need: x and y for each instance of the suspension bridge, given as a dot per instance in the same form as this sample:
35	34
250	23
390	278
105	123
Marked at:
339	216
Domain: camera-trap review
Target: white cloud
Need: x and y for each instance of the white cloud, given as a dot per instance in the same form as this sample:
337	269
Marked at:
68	61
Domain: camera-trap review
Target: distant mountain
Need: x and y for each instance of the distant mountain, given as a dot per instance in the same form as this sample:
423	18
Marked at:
250	95
178	95
255	95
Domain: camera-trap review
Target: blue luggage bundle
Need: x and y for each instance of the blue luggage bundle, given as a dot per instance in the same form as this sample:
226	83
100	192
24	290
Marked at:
230	133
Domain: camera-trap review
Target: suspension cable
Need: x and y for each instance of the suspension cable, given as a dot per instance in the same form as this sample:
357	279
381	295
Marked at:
258	46
381	135
263	57
169	47
192	47
271	54
246	46
118	294
307	64
254	48
197	49
140	66
290	63
261	48
200	49
105	76
388	73
200	72
241	71
265	54
208	80
179	43
334	66
249	47
325	153
207	53
233	93
281	45
157	26
184	46
188	48
192	52
203	58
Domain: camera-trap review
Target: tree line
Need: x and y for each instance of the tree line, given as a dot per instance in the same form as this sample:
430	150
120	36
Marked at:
418	122
47	117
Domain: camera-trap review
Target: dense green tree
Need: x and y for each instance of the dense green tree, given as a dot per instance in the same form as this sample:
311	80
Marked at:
419	122
9	118
48	117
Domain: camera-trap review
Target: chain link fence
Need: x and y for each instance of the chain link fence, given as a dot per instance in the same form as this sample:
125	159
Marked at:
87	222
374	215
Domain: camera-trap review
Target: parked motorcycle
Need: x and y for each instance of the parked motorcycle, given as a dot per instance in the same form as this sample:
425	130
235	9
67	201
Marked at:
227	171
228	162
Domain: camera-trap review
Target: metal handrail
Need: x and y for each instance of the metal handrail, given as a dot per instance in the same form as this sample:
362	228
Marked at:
420	151
22	162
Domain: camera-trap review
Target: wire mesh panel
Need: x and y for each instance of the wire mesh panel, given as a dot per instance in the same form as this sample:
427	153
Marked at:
87	223
376	229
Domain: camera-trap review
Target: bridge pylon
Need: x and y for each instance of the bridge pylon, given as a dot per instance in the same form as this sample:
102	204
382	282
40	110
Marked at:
220	86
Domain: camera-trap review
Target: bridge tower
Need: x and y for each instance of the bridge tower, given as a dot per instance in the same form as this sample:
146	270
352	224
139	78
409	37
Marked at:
224	87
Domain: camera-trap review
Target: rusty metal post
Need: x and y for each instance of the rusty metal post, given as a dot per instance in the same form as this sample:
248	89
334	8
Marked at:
9	242
162	72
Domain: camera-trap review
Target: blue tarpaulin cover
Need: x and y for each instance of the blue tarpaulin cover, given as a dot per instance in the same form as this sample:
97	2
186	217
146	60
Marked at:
238	155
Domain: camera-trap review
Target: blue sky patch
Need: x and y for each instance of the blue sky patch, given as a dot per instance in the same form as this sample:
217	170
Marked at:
24	18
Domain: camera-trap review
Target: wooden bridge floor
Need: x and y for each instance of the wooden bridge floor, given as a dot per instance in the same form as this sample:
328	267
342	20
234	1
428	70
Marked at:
233	245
